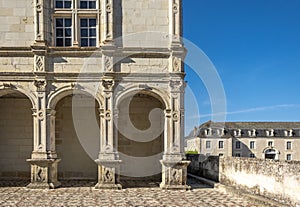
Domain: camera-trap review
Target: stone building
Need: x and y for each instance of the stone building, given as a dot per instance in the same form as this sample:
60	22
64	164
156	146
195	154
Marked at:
271	140
102	53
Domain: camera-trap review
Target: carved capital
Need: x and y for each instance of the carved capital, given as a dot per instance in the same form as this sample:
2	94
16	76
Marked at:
175	85
40	85
108	84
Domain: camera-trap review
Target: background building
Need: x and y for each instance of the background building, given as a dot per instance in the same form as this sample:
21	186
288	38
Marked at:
273	140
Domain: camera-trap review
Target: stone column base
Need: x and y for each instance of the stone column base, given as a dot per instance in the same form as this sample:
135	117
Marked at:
43	173
108	174
174	175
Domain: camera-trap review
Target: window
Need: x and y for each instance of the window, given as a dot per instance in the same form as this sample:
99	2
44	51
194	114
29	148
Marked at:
88	32
63	32
221	144
288	157
288	145
270	143
63	4
252	155
252	144
208	145
88	4
237	154
238	145
221	155
75	23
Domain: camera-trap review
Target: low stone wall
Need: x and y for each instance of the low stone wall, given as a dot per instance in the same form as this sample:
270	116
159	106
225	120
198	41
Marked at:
207	167
278	180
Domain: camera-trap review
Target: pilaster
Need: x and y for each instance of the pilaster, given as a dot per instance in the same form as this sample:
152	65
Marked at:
174	175
108	159
107	8
175	25
174	167
43	159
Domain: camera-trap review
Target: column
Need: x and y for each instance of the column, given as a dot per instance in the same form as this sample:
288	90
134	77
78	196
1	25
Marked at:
43	159
175	25
108	159
174	167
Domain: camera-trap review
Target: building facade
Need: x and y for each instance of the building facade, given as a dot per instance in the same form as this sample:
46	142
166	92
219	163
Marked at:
264	140
100	51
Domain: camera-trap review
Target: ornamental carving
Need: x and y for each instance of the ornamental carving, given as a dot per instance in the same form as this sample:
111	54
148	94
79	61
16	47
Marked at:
108	8
7	86
108	84
40	177
175	8
175	176
175	85
107	115
39	63
40	85
176	64
108	63
108	176
40	115
175	116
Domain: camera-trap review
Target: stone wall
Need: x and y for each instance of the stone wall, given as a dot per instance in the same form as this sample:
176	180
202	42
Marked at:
203	166
75	162
278	180
132	145
16	137
17	27
145	16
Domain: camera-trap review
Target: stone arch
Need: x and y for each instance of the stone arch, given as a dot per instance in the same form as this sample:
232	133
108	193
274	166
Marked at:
140	152
271	153
10	88
77	135
161	95
65	91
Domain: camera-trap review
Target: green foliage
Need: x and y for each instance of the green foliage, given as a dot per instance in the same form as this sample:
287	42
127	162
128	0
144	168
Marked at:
195	152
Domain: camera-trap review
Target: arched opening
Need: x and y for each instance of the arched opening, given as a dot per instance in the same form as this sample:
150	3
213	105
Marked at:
76	136
141	139
271	154
16	135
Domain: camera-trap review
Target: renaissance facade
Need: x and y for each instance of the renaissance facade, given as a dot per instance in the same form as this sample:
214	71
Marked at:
263	140
100	52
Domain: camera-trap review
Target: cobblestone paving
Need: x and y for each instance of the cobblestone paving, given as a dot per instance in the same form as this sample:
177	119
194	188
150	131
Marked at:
83	194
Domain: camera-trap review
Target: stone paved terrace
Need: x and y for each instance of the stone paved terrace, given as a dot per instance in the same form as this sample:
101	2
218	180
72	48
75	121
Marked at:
81	193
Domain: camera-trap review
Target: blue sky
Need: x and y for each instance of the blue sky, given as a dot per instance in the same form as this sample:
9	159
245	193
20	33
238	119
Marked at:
255	47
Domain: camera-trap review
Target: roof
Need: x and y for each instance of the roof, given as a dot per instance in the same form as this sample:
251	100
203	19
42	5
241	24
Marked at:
256	129
251	125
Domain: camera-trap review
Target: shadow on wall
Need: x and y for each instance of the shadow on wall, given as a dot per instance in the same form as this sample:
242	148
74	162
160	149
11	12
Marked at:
204	166
240	149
